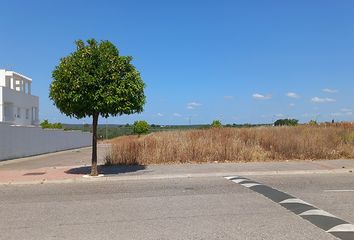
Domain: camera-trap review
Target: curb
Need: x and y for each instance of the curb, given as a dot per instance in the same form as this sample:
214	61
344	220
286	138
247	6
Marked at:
176	176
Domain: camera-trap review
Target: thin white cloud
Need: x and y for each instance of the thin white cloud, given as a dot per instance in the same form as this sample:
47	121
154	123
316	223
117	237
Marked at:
160	114
193	105
328	90
279	115
336	114
292	95
322	100
228	97
258	96
346	110
177	115
292	105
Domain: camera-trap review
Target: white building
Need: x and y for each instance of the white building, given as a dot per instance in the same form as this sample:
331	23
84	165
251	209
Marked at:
17	105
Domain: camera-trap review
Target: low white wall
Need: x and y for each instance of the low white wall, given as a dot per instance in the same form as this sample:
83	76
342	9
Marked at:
22	141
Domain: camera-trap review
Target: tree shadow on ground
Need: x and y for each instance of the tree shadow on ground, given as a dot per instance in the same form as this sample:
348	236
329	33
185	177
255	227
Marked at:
107	170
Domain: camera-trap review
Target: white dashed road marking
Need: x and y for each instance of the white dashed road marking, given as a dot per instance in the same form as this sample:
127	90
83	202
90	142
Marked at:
322	219
316	212
249	185
239	180
342	228
294	200
344	190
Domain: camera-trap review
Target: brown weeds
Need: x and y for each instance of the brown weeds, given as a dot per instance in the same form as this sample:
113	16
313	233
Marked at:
234	145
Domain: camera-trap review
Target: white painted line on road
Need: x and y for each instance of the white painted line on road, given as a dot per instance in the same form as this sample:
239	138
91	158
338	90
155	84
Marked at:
339	190
317	212
249	185
322	219
342	228
295	200
89	176
240	180
228	178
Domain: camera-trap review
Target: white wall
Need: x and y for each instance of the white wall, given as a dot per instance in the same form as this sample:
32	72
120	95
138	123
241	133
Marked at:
1	106
16	93
2	77
20	100
21	141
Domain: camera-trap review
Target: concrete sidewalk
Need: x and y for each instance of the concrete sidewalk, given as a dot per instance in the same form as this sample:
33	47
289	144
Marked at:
64	174
73	157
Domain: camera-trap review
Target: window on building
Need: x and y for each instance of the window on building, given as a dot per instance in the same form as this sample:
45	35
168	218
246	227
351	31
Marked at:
27	113
17	85
8	82
34	114
19	112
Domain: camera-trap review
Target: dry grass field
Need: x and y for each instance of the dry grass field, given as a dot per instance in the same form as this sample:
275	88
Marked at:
235	145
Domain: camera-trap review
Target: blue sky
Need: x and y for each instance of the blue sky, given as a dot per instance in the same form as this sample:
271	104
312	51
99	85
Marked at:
238	61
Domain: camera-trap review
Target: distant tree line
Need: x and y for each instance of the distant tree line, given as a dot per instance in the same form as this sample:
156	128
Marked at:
108	131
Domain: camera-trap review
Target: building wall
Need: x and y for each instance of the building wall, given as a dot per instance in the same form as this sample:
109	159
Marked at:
17	105
20	103
22	141
1	106
2	77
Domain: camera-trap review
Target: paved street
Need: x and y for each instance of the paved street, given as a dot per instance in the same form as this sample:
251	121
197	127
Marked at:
175	208
46	197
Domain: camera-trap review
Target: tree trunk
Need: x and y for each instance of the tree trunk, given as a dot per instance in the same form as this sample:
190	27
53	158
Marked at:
94	171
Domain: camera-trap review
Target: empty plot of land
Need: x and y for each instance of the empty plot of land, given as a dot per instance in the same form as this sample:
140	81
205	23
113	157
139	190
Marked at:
236	145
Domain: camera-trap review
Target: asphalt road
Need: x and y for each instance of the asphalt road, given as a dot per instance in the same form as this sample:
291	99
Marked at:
183	208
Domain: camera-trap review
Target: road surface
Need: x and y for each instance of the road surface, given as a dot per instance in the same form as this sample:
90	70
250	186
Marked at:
181	208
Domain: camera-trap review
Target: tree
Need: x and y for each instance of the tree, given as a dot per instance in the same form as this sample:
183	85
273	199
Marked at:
286	122
96	81
46	124
140	127
216	124
312	123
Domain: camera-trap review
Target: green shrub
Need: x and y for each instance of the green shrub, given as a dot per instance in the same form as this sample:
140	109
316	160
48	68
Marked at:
216	124
140	127
286	122
312	123
47	124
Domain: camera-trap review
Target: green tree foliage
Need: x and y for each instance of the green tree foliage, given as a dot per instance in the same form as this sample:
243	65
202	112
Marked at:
216	124
140	127
96	81
286	122
312	123
47	124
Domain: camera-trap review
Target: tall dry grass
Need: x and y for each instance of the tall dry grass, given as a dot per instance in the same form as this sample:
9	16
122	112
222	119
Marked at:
235	145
